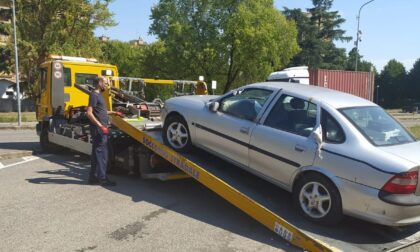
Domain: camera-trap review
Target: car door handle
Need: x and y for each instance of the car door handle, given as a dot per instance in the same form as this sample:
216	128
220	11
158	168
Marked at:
244	130
300	148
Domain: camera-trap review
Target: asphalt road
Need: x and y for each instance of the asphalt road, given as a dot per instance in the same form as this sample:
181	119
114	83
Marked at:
18	140
46	205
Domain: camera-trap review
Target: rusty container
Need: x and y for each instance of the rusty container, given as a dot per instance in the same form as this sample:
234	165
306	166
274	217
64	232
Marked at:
361	84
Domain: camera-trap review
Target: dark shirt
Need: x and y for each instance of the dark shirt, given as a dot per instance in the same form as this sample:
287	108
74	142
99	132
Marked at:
97	102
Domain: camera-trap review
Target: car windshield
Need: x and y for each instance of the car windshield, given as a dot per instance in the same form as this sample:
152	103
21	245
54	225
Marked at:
377	126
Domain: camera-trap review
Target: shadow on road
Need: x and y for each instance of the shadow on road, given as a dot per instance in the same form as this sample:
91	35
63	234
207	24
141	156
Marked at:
191	199
21	146
186	197
71	172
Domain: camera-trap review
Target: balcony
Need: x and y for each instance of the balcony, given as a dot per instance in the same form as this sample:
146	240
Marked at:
5	4
4	20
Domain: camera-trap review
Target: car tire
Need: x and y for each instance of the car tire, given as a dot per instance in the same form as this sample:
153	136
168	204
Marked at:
318	199
176	134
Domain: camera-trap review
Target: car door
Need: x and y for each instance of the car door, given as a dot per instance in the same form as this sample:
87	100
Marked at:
227	131
282	143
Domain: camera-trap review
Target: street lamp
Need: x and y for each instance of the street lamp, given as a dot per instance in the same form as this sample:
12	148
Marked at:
16	65
377	94
358	32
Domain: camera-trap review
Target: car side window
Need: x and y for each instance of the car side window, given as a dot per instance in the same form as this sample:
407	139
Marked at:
245	104
331	129
293	114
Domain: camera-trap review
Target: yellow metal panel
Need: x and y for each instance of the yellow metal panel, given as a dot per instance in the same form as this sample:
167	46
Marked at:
44	108
157	81
79	98
177	176
252	208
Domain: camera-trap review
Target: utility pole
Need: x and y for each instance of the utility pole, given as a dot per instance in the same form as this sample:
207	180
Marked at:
358	32
16	65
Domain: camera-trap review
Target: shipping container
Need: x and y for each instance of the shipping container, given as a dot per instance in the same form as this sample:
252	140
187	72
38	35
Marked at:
361	84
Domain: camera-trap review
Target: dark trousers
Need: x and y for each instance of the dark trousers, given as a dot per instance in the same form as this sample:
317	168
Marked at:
99	158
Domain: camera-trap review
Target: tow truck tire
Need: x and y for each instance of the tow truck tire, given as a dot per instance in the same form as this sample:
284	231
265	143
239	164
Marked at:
176	134
111	169
318	199
46	146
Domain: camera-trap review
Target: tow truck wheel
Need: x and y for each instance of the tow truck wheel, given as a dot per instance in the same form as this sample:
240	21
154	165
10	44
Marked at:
46	146
317	198
176	134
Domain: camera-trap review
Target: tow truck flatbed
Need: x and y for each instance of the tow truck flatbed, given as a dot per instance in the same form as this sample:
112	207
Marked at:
266	202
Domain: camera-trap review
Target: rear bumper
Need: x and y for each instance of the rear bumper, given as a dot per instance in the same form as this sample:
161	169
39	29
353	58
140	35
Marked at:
363	202
400	200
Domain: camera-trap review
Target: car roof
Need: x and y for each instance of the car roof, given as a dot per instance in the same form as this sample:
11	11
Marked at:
334	98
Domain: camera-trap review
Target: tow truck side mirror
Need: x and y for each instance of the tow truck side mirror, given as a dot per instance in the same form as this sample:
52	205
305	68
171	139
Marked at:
213	106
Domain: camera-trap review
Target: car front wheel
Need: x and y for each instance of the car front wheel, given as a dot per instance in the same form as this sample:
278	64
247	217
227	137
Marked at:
318	199
176	134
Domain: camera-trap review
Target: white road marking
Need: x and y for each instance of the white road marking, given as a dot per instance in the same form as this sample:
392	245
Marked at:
28	158
25	160
45	155
1	165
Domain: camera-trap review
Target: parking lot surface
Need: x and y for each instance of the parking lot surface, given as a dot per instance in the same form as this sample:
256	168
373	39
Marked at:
46	205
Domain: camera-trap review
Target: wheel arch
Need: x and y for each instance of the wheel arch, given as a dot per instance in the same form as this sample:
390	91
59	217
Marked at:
174	113
320	171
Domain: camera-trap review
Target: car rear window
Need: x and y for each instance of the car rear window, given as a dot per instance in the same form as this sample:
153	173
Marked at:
377	126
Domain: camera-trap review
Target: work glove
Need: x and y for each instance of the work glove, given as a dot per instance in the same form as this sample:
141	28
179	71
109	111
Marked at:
104	130
119	114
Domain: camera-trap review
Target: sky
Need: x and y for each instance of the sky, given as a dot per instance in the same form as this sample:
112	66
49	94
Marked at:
390	28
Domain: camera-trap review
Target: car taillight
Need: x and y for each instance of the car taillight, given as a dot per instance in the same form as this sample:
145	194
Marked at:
402	183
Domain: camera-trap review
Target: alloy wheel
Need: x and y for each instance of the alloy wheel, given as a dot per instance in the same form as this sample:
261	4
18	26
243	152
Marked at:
177	135
315	200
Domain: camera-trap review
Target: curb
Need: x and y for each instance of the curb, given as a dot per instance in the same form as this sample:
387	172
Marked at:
16	154
24	127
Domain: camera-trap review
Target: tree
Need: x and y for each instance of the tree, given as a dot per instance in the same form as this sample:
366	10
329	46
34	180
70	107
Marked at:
392	83
363	65
413	83
318	28
156	63
5	50
234	41
5	60
126	57
146	61
57	27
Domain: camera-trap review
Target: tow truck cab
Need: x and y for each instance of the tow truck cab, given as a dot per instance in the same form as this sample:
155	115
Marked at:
62	81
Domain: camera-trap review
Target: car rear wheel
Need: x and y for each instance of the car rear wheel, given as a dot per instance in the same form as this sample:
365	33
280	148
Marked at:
318	199
176	134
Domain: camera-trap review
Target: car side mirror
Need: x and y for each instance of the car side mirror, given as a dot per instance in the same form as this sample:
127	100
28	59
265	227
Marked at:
214	106
317	135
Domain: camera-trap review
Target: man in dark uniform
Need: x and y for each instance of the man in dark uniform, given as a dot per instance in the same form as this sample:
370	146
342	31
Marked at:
98	116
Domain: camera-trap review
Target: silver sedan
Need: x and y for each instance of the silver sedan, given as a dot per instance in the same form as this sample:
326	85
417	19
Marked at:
338	154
